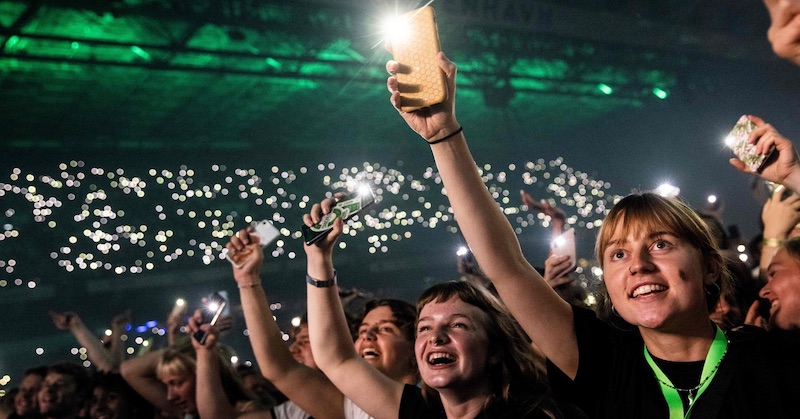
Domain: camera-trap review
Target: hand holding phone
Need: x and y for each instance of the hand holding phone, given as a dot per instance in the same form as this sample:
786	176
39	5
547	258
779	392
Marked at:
564	245
211	311
415	44
744	151
266	234
466	261
344	209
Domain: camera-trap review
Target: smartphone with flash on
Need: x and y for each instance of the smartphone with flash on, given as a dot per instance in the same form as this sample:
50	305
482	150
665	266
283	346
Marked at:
744	151
213	308
564	245
414	40
266	232
344	209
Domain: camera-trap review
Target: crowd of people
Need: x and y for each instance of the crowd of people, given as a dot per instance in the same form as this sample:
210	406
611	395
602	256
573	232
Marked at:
683	327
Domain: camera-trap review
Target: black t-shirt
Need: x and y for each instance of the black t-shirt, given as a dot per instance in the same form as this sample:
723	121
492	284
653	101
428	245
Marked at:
414	406
759	377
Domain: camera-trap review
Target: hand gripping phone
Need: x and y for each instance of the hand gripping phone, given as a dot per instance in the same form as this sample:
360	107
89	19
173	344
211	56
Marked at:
343	209
212	309
266	233
737	142
421	81
564	245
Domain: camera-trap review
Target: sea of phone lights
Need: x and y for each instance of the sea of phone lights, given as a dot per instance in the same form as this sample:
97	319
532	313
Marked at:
90	220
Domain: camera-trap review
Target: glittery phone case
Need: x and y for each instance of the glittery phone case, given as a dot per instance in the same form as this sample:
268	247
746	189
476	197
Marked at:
421	81
737	142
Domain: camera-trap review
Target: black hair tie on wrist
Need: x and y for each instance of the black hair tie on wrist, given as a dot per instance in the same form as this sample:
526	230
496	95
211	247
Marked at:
446	137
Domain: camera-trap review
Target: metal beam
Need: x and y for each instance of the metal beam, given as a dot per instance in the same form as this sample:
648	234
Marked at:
18	24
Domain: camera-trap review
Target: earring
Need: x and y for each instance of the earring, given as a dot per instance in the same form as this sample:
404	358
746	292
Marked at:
614	310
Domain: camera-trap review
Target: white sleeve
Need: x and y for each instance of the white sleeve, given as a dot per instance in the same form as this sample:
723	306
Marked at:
289	410
351	411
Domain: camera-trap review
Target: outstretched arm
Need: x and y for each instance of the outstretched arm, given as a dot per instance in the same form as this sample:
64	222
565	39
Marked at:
329	334
140	373
209	395
97	353
558	218
780	214
116	348
545	317
305	386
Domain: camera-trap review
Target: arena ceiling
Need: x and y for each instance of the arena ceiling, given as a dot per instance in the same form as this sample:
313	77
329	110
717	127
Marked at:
245	75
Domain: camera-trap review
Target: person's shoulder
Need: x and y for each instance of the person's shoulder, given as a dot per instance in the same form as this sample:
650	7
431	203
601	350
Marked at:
414	404
774	346
518	409
757	335
288	410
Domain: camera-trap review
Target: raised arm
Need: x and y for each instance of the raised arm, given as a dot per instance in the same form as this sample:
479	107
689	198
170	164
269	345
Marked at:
140	373
544	316
780	214
99	356
114	343
331	342
174	323
209	394
305	386
558	219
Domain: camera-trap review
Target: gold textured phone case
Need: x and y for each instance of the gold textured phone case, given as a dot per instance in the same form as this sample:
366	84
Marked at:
421	81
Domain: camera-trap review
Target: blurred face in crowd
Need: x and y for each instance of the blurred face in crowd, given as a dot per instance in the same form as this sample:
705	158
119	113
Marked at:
301	348
58	396
783	291
383	345
180	390
108	404
25	402
258	385
452	345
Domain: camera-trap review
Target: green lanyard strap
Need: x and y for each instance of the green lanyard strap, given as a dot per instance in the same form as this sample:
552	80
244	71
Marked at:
714	358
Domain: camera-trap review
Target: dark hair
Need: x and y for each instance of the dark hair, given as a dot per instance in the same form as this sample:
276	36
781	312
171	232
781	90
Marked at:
404	313
78	373
516	380
717	230
652	212
138	407
41	371
741	293
792	247
303	324
244	370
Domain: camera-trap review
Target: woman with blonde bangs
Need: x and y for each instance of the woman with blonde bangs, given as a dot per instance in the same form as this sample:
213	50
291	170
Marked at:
662	273
650	214
192	384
